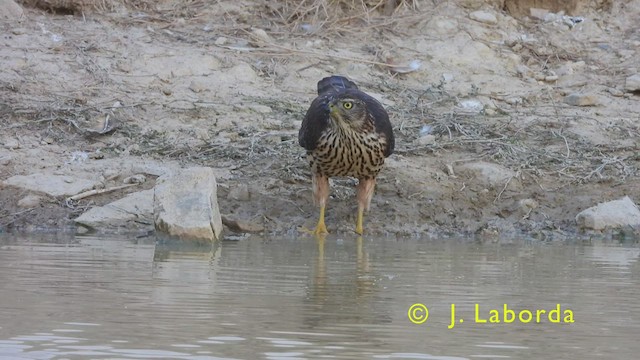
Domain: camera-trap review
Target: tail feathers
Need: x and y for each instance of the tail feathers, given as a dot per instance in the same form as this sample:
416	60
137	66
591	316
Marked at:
335	83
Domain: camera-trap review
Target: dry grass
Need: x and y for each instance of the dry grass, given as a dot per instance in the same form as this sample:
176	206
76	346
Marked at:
536	149
314	16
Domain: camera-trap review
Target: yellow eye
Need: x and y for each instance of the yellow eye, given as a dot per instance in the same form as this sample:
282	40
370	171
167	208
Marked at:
347	105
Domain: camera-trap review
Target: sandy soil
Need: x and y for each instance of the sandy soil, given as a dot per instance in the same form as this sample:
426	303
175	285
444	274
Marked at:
487	140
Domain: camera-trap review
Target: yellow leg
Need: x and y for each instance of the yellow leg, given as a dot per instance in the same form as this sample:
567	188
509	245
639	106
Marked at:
321	228
364	192
359	228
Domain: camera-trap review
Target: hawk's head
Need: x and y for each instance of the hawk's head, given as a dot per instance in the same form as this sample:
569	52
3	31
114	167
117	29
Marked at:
348	110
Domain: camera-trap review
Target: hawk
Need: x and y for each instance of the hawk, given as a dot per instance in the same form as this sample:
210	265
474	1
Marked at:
346	133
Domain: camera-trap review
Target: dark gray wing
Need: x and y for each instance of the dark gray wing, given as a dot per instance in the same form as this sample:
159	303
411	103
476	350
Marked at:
317	118
315	122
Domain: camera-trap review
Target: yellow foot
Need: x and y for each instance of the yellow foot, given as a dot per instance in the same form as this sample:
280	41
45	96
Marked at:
319	230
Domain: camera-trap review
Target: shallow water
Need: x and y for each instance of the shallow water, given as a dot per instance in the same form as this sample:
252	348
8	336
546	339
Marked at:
105	298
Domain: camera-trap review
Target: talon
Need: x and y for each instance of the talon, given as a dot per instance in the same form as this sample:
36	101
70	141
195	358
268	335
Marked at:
319	230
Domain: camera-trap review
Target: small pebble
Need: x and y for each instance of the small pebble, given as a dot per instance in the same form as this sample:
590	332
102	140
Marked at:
197	86
615	92
29	201
632	83
514	100
483	17
11	144
135	179
221	41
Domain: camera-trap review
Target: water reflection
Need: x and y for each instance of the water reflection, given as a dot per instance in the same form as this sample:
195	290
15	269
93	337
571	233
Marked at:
312	298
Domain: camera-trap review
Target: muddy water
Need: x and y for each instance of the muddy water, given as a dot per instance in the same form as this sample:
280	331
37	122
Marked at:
304	299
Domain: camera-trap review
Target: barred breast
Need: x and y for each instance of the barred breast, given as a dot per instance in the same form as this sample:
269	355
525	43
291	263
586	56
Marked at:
348	153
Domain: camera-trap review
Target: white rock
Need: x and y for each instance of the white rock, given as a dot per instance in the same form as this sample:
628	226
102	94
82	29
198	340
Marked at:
425	140
11	144
514	100
186	205
5	160
197	86
471	106
260	38
126	212
537	13
53	185
447	77
612	214
615	92
632	83
135	179
483	17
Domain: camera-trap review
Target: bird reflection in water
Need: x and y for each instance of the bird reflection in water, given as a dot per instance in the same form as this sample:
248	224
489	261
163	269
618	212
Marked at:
341	295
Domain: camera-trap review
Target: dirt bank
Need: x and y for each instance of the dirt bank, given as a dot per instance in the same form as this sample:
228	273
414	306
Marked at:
503	124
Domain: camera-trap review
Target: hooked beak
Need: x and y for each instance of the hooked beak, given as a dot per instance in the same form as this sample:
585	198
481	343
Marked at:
333	109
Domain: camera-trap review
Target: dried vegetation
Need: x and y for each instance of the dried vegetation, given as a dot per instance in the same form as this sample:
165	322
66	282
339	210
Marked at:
541	146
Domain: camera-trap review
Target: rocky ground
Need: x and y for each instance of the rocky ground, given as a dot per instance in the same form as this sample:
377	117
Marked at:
507	120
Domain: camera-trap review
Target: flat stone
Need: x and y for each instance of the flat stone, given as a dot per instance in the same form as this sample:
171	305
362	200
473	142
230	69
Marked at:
53	185
577	99
613	214
483	17
241	226
30	201
133	210
186	205
260	109
242	73
442	25
240	193
632	83
487	173
10	10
